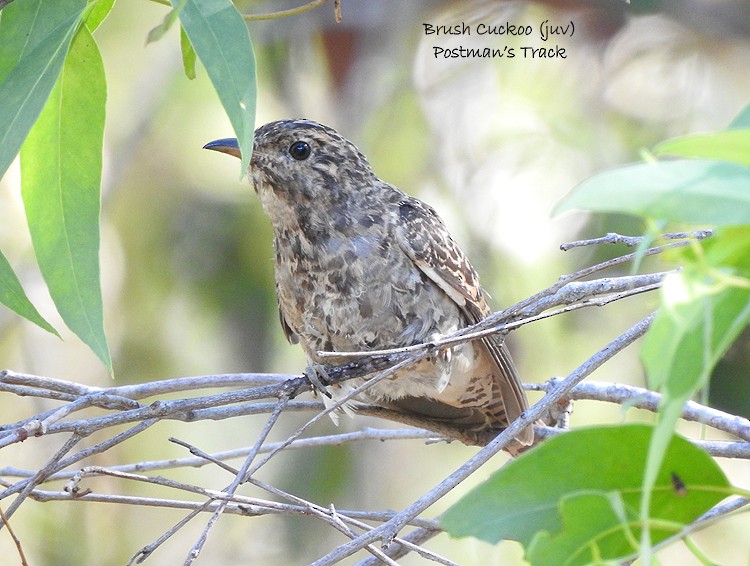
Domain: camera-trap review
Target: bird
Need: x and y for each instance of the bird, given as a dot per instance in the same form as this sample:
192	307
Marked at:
360	265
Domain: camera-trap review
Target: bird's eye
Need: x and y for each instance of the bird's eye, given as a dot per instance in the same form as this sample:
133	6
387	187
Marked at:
300	150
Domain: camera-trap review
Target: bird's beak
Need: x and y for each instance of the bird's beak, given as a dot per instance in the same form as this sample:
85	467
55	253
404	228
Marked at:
226	145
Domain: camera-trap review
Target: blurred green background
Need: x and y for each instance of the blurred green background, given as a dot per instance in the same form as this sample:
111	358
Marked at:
492	144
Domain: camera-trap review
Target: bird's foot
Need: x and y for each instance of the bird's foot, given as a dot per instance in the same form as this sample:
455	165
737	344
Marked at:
317	375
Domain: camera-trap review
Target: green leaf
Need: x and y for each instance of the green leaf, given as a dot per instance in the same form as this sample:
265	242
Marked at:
96	12
61	165
575	543
698	320
689	191
703	310
220	38
583	488
727	249
742	120
188	55
731	145
13	297
34	37
158	32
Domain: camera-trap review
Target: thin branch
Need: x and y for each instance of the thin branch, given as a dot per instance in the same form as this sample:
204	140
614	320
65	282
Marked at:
285	13
332	517
242	475
573	294
365	434
633	241
335	406
641	398
25	487
398	549
14	538
143	554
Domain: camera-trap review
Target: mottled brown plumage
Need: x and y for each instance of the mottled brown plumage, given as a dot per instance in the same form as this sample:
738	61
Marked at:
360	265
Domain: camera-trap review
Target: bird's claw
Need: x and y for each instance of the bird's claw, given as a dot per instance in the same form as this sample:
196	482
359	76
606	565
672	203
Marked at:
317	374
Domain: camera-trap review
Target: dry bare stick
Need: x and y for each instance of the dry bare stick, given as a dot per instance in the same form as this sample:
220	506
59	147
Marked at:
398	549
369	433
242	475
59	463
14	538
145	552
641	398
333	518
633	241
575	295
387	531
23	488
334	406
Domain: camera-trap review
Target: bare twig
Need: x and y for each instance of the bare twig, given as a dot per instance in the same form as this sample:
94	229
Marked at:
286	13
16	541
242	475
269	394
645	399
633	241
573	295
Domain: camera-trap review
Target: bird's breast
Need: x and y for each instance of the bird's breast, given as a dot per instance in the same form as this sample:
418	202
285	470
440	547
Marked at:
357	293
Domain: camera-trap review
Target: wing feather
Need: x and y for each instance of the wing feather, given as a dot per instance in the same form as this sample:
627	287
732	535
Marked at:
425	239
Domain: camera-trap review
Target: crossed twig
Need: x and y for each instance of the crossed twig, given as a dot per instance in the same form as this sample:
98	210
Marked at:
274	394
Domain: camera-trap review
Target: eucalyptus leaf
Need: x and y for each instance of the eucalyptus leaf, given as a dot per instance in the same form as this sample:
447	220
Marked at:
13	296
689	191
61	163
97	12
35	36
222	42
731	145
188	55
600	470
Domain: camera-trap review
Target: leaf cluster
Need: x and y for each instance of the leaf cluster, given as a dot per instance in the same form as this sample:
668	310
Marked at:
53	88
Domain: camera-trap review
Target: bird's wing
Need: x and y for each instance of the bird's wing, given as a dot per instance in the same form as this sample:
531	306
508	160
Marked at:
291	336
425	239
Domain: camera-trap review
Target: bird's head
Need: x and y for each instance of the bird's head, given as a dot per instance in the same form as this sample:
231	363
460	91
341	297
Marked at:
300	163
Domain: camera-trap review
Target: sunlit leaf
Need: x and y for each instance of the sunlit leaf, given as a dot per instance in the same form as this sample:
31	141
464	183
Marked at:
61	165
690	191
97	12
731	145
698	321
13	297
